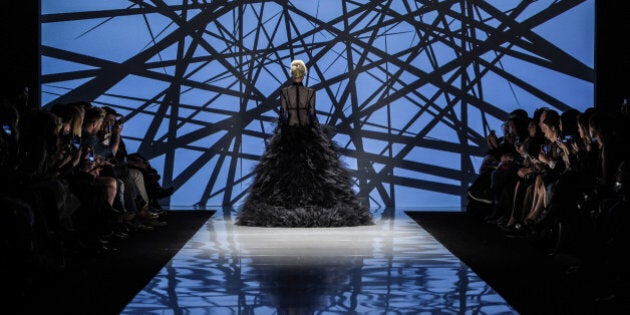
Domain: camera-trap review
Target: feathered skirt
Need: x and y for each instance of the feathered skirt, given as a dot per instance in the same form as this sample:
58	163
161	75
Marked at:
300	182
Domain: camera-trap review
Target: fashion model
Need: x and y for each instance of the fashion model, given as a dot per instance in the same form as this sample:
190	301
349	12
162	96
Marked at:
300	181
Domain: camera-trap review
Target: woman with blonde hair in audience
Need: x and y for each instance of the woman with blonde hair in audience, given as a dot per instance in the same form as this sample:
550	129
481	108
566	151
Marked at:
70	137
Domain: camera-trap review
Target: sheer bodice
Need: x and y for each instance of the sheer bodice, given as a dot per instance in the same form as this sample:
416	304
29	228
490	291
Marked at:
297	105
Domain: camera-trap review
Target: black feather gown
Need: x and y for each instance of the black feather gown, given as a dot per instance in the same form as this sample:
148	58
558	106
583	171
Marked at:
300	181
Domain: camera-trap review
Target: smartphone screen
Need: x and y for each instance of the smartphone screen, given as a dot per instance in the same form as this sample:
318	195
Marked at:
90	156
7	129
75	142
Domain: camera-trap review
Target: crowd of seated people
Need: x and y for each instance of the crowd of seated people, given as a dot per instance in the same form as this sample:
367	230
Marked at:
69	189
561	180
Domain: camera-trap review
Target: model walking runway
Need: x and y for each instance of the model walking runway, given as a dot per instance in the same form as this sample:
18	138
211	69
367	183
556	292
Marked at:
300	181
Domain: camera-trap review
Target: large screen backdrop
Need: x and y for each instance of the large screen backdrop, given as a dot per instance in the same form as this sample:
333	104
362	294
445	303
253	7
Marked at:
409	88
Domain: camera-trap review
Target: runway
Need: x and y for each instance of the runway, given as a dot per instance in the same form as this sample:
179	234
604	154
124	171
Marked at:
392	267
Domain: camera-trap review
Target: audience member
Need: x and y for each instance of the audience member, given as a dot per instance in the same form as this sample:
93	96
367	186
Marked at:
61	171
565	189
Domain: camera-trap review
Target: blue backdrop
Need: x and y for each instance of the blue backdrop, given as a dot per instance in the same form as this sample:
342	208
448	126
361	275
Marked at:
410	87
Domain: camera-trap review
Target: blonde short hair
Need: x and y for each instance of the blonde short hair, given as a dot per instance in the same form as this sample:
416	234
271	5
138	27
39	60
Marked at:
298	69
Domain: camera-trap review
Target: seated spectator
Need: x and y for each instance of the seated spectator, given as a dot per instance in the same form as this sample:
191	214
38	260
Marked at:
484	192
154	189
133	192
56	202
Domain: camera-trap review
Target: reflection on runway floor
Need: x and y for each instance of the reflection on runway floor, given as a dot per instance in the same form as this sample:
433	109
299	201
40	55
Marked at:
394	267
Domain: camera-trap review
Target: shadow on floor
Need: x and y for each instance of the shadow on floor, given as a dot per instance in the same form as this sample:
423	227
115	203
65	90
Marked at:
105	283
518	269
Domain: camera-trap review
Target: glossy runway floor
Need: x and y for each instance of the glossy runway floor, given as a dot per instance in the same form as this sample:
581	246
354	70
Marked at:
392	267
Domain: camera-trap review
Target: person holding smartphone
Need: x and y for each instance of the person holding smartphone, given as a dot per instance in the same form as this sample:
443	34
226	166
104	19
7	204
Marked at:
109	135
551	153
92	147
134	198
71	129
8	138
552	157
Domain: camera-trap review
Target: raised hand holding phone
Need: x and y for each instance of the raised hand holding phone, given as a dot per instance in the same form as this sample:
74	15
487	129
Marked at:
76	142
90	154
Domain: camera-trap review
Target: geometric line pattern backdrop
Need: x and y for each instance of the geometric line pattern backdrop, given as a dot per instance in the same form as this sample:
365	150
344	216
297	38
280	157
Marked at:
409	88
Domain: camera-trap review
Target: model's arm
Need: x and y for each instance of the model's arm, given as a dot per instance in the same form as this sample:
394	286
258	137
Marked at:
284	112
311	109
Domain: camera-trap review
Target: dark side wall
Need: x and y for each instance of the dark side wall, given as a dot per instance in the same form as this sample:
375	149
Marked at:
612	54
19	46
20	64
